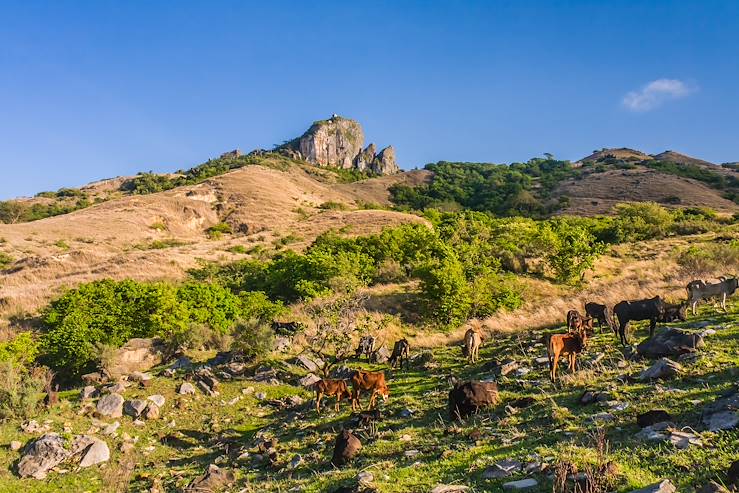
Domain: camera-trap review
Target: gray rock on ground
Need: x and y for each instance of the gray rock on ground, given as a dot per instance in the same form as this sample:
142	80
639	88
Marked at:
450	488
134	407
308	380
110	406
723	413
521	484
664	368
670	342
157	399
42	455
89	392
214	479
664	486
92	450
186	388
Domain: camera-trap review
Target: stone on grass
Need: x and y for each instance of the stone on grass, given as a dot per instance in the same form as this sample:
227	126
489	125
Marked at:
93	451
214	479
664	486
365	477
135	355
110	406
450	488
151	411
134	407
723	413
652	417
670	342
15	445
42	455
89	392
309	380
157	399
346	448
309	363
664	368
521	484
502	469
112	428
186	388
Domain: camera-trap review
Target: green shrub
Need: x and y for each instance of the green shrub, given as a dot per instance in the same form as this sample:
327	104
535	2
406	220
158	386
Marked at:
160	244
23	349
218	230
253	338
569	249
210	304
710	258
21	390
106	312
5	260
444	288
642	221
333	206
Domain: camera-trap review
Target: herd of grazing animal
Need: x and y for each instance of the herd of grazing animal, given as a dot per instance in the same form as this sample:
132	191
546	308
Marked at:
570	344
654	309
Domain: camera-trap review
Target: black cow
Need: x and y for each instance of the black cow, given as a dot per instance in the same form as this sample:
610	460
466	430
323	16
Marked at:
366	347
652	309
602	314
675	313
401	352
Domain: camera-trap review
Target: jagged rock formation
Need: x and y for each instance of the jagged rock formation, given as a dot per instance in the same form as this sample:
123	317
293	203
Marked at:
339	142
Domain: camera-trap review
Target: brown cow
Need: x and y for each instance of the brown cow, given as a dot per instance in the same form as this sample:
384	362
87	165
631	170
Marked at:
364	380
472	341
328	387
570	345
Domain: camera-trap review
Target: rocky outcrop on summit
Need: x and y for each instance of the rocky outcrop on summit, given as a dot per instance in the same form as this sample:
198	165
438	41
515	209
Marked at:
338	142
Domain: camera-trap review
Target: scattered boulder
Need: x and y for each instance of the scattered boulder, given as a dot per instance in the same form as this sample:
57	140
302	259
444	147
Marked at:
652	417
521	484
346	448
308	380
308	363
135	355
134	407
144	379
151	411
94	378
502	469
110	406
664	486
381	356
450	488
469	397
15	445
670	342
683	439
186	389
157	399
116	388
92	450
89	392
723	413
215	479
42	455
506	367
664	368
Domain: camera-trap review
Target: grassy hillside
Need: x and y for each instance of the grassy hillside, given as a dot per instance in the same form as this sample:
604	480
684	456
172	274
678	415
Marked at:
416	446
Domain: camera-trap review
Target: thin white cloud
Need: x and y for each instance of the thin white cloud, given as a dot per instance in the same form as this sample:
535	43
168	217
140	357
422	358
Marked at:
655	94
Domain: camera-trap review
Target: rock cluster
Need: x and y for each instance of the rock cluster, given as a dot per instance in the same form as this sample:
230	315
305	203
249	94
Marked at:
339	142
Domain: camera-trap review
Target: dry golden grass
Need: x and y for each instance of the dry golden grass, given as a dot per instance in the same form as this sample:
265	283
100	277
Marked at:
109	240
636	271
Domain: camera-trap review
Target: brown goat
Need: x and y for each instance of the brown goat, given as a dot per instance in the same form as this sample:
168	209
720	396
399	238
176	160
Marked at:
570	345
328	387
374	382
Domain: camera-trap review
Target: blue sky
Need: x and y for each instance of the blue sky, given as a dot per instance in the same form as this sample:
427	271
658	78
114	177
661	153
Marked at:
90	90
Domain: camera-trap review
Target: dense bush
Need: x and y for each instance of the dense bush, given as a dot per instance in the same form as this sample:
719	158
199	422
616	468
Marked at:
112	312
21	390
569	249
709	258
521	189
23	349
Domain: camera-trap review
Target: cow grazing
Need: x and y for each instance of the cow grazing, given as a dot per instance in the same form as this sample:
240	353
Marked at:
328	387
401	352
467	398
472	341
578	323
652	309
346	448
675	313
373	382
570	344
602	314
366	347
700	290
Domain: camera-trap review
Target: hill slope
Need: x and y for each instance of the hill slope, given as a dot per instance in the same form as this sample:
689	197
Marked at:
160	235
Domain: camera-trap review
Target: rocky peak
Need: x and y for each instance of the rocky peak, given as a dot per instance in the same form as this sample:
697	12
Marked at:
338	142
